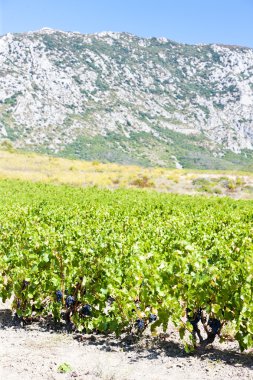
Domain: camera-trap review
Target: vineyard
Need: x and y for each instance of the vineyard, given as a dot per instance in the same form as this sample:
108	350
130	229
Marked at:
127	260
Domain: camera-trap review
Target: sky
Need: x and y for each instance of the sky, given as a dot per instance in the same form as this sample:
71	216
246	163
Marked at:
187	21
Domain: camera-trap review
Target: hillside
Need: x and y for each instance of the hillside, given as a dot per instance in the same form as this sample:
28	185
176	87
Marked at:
116	97
42	168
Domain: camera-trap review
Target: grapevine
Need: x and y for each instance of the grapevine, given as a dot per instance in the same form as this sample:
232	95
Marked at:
114	260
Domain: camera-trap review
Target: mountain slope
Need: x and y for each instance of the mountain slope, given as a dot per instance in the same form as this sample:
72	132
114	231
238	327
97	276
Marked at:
118	97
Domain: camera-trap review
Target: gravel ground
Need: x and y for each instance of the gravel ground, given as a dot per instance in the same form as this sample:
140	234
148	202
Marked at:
36	352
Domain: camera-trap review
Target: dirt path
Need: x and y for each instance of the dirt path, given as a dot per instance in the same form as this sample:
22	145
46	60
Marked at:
34	352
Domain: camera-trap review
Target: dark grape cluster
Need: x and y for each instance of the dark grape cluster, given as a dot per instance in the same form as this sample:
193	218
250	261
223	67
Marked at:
58	294
86	310
140	324
70	300
110	300
152	318
214	324
25	284
193	318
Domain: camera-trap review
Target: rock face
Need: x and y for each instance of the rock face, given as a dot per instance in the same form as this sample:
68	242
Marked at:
118	97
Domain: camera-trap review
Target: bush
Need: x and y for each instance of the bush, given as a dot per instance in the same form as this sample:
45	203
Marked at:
142	182
7	145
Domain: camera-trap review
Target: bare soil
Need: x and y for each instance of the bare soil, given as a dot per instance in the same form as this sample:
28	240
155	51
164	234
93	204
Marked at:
36	351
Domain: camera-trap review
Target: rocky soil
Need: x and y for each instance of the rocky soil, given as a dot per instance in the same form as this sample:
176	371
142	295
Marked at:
37	352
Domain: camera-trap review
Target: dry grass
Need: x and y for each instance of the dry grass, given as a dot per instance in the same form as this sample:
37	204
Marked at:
35	167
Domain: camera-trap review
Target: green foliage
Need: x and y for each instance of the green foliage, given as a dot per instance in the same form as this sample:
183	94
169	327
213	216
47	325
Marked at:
50	42
7	145
101	84
202	183
215	185
142	181
144	149
12	100
144	252
64	368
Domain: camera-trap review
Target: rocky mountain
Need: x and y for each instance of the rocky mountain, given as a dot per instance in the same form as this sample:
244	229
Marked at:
118	97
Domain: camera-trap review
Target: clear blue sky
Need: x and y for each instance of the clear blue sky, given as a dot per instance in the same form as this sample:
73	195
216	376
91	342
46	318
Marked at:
189	21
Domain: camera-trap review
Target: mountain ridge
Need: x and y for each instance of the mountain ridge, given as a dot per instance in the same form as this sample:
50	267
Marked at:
115	96
46	29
